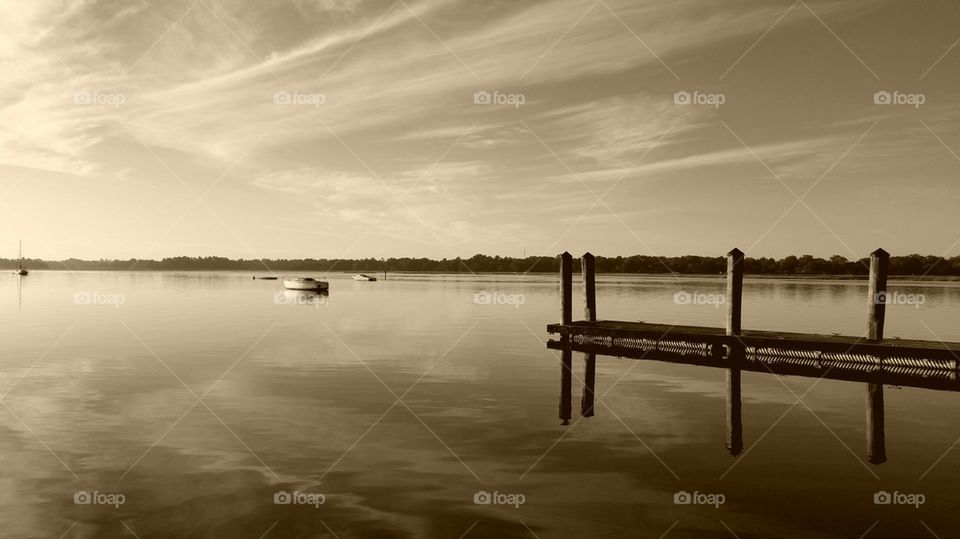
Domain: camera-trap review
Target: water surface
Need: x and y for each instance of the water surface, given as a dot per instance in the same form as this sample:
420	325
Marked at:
200	396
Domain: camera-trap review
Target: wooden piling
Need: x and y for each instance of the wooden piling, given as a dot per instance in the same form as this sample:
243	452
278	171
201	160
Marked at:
734	290
877	294
876	314
734	301
588	265
566	288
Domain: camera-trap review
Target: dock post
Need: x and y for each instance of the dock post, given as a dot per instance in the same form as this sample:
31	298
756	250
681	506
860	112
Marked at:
588	266
877	291
566	288
876	313
734	291
734	311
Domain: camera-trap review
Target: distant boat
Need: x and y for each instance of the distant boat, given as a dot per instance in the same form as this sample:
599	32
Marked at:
363	277
266	278
20	270
305	283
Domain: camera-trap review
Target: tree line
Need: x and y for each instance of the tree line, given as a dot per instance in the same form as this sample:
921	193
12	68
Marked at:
703	265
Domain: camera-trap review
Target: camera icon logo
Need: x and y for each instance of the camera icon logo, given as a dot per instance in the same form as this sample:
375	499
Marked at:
681	98
882	98
82	298
483	298
281	98
82	497
682	498
882	497
880	298
82	98
682	298
482	497
282	498
482	98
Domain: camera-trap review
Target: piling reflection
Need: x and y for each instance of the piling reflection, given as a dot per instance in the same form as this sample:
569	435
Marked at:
734	413
589	380
926	378
876	438
566	386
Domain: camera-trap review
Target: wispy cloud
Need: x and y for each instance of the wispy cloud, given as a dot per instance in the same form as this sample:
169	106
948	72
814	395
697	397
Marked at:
388	88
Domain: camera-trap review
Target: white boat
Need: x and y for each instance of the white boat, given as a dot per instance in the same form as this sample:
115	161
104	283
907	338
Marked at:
363	277
20	270
304	283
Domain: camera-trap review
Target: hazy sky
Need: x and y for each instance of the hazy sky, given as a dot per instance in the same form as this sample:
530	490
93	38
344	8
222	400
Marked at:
349	128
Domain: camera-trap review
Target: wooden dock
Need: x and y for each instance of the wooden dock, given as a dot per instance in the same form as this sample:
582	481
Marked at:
869	358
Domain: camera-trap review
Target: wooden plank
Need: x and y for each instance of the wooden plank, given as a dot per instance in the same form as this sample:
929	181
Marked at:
832	343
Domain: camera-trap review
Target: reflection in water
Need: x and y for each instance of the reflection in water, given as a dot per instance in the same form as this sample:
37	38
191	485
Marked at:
566	386
876	436
589	379
313	298
734	417
299	400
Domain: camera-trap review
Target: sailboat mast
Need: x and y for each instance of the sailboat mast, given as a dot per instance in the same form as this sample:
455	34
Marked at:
20	256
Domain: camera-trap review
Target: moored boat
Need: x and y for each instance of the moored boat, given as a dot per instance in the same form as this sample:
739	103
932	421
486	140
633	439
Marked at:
304	283
363	277
20	270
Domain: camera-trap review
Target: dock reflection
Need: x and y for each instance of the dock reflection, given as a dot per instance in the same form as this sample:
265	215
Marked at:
874	379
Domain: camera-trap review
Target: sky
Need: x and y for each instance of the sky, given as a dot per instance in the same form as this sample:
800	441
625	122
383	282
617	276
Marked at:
444	128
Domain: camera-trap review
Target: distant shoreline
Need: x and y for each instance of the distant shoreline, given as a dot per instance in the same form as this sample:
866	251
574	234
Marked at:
837	267
379	274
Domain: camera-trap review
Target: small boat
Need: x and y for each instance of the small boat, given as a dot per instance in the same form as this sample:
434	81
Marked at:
20	270
265	278
304	283
363	277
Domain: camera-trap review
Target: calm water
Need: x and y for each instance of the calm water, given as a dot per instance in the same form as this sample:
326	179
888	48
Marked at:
199	397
